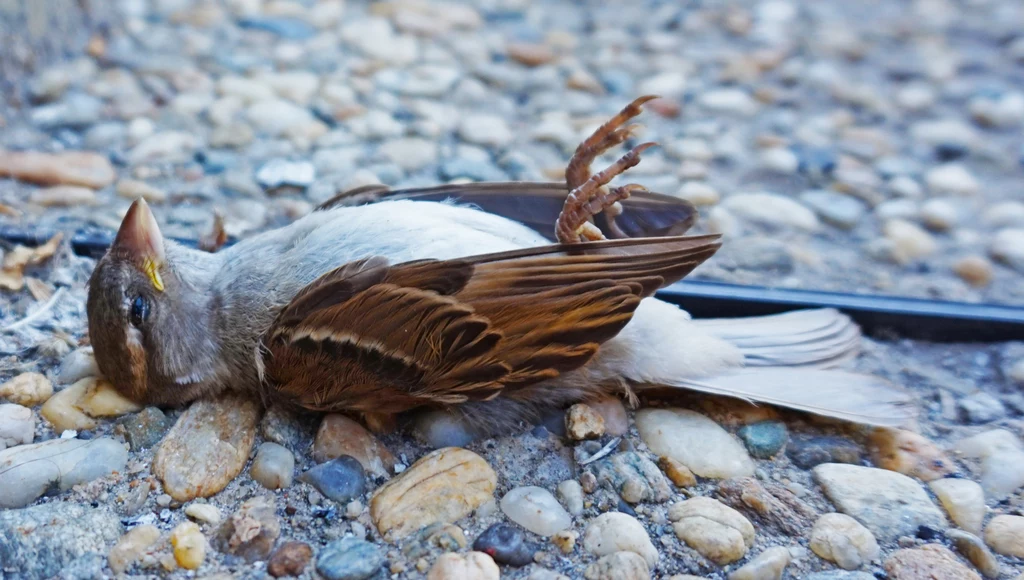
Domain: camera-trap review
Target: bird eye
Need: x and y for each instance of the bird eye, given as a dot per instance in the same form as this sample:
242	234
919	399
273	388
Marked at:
140	311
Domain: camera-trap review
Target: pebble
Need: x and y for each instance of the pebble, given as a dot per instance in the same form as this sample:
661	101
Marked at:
1005	534
699	193
145	428
410	153
17	425
570	493
963	500
634	477
678	473
906	187
951	179
729	101
618	566
82	168
203	513
771	210
340	479
442	486
250	532
77	365
339	435
280	118
837	209
768	565
807	451
909	242
1008	248
841	539
975	270
349	559
612	411
471	566
535	509
29	471
582	422
63	196
131	547
980	407
939	215
281	173
779	160
613	532
273	466
972	548
506	544
27	389
135	189
1000	455
486	130
1000	111
60	534
764	439
932	561
695	441
909	453
291	429
774	504
1004	213
669	84
207	447
189	545
887	503
720	533
164	147
290	559
565	541
70	408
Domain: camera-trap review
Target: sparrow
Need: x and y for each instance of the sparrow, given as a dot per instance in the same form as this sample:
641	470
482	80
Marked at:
415	301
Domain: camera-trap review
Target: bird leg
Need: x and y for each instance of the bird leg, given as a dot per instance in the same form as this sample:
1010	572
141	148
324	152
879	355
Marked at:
588	195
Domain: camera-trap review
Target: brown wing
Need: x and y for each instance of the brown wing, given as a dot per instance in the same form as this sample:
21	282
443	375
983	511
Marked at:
537	205
382	339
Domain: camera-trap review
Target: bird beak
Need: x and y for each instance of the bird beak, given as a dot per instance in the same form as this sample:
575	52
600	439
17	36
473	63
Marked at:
139	237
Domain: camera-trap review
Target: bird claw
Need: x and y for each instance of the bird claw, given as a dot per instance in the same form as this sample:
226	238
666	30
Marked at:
589	194
216	237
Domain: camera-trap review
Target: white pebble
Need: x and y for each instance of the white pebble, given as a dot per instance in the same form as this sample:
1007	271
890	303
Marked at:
535	509
615	532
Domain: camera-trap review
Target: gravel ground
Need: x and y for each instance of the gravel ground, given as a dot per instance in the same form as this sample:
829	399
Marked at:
871	146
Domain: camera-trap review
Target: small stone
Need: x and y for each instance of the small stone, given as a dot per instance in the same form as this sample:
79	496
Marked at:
443	486
135	189
695	441
980	407
963	500
163	500
250	533
349	559
939	215
768	565
764	439
448	537
99	398
911	454
841	539
669	84
82	168
283	173
618	566
1004	213
290	559
535	509
729	101
280	118
887	503
289	428
1005	534
145	428
933	562
1001	458
189	545
131	547
44	540
165	147
341	479
680	474
530	54
505	544
63	196
27	389
81	363
207	447
906	187
613	532
273	466
771	210
471	566
1002	111
565	541
1008	248
771	503
779	160
837	209
204	513
972	548
634	477
975	270
909	241
951	179
411	153
582	422
570	492
616	421
339	435
17	425
699	193
486	130
807	451
720	533
29	471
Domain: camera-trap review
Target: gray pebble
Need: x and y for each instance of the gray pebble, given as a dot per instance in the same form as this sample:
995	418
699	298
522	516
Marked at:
341	479
349	559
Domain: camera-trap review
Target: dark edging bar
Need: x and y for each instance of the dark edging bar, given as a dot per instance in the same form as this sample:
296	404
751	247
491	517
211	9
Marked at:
885	316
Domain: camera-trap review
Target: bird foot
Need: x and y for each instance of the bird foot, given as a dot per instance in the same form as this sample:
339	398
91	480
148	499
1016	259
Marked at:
589	194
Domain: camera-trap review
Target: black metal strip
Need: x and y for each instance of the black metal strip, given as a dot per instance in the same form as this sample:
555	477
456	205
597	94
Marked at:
932	320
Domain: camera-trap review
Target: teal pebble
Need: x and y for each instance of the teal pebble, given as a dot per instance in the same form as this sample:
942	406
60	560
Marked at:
764	439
